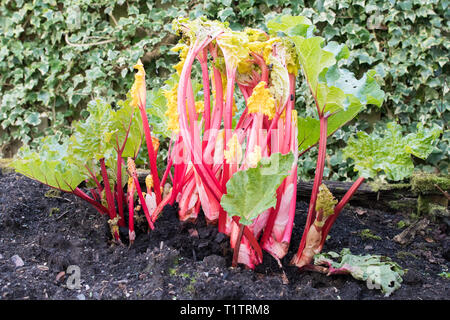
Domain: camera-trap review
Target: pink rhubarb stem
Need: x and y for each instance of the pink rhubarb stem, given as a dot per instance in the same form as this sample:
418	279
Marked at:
94	178
169	164
203	58
100	208
151	154
227	121
204	171
108	192
143	203
218	103
317	181
119	189
238	246
166	173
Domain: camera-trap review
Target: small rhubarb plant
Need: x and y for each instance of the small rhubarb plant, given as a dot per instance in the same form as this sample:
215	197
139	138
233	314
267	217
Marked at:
99	156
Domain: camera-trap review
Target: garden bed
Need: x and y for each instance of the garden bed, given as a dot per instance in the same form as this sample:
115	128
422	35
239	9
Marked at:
191	261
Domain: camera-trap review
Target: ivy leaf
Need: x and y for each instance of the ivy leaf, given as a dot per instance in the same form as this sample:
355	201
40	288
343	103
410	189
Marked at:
379	272
250	192
225	13
390	152
33	119
290	26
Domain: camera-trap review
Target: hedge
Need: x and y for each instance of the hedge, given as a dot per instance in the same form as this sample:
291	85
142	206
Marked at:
55	56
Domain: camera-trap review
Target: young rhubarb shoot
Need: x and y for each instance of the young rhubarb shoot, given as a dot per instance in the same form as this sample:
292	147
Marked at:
325	205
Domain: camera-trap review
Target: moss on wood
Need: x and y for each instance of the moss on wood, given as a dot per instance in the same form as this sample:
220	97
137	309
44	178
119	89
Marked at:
425	183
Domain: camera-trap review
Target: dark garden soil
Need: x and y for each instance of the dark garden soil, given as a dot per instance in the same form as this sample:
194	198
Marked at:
191	261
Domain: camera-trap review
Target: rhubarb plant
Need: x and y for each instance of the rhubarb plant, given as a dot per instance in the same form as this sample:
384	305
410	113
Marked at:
338	97
389	153
95	154
228	111
213	140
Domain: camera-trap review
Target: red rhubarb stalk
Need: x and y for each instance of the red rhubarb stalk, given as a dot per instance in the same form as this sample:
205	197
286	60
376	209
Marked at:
317	182
109	194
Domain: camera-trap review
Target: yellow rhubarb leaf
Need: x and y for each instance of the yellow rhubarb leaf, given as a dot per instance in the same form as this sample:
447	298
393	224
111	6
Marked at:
233	154
172	108
254	157
138	91
325	201
261	100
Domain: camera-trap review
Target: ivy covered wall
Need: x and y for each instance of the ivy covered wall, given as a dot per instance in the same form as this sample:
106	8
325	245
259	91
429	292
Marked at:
55	56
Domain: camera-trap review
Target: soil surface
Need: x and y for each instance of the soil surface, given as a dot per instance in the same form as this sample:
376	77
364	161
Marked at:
49	232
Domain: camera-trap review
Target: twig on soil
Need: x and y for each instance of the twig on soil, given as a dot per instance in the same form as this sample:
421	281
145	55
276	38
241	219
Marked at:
62	215
312	267
445	193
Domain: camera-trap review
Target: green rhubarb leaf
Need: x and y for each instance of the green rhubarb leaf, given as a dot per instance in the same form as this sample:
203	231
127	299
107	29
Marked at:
379	272
340	51
156	109
234	46
125	117
51	165
313	59
250	192
102	133
334	89
366	89
390	152
309	128
308	133
345	98
91	137
422	142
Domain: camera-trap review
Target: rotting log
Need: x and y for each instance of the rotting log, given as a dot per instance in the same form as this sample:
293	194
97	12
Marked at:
425	194
395	197
401	197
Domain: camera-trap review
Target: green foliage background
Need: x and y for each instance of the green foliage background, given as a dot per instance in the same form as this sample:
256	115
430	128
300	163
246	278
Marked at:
56	56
